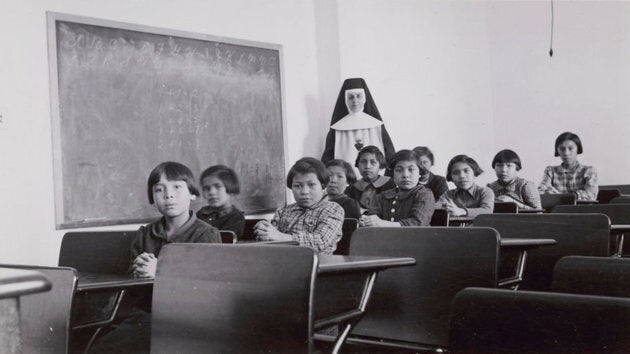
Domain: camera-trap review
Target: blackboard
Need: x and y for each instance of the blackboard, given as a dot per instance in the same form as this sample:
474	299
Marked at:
126	97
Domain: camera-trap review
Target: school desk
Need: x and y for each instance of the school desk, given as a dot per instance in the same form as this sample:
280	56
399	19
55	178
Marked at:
522	245
273	306
15	283
334	269
461	221
619	230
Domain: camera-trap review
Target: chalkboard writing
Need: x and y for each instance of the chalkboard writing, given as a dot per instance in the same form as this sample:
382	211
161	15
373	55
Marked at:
127	97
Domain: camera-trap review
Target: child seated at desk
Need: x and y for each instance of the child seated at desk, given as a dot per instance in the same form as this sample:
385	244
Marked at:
409	203
370	161
341	174
171	188
468	199
312	220
570	176
509	187
218	185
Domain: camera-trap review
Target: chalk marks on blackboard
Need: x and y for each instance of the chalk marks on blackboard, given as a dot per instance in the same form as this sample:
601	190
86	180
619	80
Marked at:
130	97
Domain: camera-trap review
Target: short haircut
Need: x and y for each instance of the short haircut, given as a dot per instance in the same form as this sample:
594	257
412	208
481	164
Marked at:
568	136
506	156
425	151
351	177
465	159
173	171
308	165
371	149
226	175
407	155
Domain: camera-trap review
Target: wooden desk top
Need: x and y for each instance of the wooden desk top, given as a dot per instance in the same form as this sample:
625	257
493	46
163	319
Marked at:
18	282
530	211
527	242
96	281
330	264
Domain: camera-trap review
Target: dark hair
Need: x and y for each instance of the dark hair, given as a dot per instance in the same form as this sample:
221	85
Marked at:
505	156
465	159
173	171
568	136
226	175
308	165
407	155
371	149
425	151
351	177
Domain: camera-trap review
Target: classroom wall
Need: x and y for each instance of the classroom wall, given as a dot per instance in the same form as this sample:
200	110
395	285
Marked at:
475	77
459	76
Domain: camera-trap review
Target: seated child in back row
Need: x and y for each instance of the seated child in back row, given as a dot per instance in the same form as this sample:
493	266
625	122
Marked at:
312	220
409	203
370	161
218	185
509	187
341	174
171	188
468	199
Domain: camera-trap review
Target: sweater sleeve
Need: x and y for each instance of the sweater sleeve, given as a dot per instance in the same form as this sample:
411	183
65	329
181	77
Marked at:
421	210
546	185
486	203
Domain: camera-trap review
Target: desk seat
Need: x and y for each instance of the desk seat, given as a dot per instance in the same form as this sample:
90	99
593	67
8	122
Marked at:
506	321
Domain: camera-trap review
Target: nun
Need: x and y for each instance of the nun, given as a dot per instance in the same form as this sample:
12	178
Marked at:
355	123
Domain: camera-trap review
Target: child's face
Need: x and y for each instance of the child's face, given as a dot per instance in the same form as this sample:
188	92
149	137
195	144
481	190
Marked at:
338	182
425	162
406	174
355	100
463	175
307	190
568	151
369	166
506	171
214	192
172	198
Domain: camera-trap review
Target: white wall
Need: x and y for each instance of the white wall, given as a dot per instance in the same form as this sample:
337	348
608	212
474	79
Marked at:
458	76
583	88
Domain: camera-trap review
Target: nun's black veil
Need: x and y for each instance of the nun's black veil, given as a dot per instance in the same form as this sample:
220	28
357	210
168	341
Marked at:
341	110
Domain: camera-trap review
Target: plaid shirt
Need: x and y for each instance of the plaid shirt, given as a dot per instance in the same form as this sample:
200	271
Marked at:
318	227
521	190
579	179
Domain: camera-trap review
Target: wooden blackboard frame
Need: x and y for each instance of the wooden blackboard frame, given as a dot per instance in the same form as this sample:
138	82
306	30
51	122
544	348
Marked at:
61	219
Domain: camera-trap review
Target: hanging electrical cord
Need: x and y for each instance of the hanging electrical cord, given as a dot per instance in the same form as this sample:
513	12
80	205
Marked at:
551	40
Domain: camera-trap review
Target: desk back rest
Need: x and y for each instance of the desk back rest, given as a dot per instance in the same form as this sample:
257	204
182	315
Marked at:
620	200
233	299
413	303
228	236
548	201
348	227
248	229
45	317
604	196
507	321
617	213
505	207
97	251
440	217
605	276
575	234
623	188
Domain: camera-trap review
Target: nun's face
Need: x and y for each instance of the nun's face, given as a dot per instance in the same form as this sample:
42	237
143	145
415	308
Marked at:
355	100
